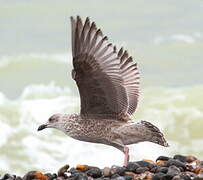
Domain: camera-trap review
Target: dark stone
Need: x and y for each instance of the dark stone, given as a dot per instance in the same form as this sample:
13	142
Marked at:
74	171
132	166
181	169
163	158
145	164
29	175
162	169
153	170
176	163
79	176
185	177
51	176
117	170
58	178
141	170
119	178
177	178
173	171
115	176
180	157
94	172
7	176
18	178
161	176
158	176
128	177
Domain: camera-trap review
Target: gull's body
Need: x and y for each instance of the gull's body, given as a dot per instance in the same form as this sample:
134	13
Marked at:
108	83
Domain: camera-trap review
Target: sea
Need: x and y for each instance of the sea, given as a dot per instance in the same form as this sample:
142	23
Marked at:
165	38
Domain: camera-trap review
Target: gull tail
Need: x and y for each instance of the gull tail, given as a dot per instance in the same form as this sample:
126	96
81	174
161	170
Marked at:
157	135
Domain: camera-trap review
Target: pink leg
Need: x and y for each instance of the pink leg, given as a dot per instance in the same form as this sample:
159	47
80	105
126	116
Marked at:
126	159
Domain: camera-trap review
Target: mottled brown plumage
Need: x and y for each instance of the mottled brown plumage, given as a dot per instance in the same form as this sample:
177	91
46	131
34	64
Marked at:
108	83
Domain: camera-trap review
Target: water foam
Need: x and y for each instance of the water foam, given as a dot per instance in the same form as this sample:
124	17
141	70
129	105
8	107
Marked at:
177	112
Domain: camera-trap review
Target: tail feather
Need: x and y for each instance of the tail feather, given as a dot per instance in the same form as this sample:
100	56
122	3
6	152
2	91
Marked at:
158	135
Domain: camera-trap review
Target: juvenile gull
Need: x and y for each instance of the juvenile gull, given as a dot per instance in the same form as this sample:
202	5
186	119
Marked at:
108	83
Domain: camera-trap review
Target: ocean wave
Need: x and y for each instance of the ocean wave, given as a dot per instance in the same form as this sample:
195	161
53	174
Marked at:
34	57
185	38
42	91
178	112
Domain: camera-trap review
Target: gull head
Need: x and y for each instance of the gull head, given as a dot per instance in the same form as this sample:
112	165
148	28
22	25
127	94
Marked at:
54	121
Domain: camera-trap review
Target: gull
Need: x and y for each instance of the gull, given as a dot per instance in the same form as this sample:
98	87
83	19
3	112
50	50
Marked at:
108	83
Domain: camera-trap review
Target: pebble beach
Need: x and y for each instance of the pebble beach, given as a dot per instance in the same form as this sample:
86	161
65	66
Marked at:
178	167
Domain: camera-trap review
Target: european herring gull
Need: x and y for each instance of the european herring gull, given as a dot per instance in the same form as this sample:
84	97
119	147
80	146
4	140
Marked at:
108	83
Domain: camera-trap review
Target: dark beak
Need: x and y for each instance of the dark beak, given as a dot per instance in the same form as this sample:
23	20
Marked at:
43	126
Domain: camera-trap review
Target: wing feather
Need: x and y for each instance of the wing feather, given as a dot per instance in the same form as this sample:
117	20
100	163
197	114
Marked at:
107	80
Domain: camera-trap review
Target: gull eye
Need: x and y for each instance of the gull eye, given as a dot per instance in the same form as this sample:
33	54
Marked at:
51	120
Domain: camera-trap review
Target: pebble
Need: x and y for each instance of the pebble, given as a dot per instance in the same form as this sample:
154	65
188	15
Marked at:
106	172
63	170
162	169
176	163
179	167
128	177
145	164
82	168
190	159
132	166
161	162
79	176
173	171
163	158
158	176
180	157
141	170
94	172
7	176
117	170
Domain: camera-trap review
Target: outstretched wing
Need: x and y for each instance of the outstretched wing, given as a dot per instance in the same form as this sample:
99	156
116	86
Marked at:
98	72
131	79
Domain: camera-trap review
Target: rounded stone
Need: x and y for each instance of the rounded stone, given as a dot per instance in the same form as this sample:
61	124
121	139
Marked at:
163	158
161	162
63	170
18	178
141	170
190	159
74	171
162	169
185	177
145	164
51	176
158	176
173	171
115	176
79	176
128	177
94	172
7	176
82	168
153	170
176	163
106	172
180	157
117	170
132	166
